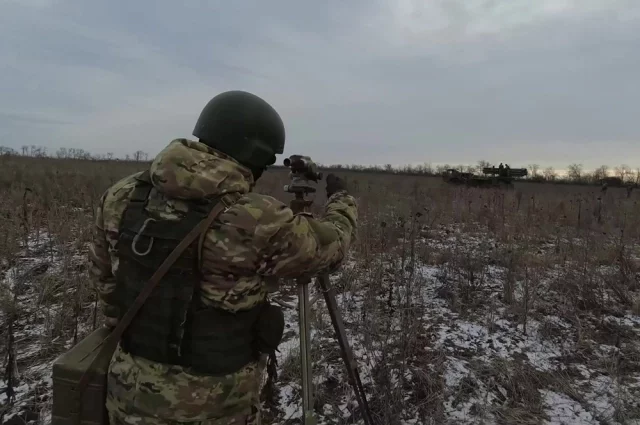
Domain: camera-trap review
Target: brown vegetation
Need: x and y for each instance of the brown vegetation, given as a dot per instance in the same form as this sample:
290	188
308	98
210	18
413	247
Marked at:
440	279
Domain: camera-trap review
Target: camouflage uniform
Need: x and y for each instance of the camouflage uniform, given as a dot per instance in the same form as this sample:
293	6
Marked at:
260	239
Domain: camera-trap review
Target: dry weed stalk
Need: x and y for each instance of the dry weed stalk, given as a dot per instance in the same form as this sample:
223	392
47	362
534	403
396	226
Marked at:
571	240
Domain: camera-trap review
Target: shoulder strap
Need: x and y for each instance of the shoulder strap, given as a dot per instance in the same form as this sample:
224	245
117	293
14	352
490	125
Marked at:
145	176
110	343
235	197
142	189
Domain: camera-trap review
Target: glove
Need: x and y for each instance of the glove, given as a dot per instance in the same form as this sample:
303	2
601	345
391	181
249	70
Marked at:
335	184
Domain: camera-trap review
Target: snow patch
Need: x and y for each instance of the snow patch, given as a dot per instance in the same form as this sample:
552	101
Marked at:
562	410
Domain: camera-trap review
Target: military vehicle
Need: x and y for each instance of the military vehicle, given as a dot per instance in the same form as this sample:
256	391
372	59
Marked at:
454	176
492	177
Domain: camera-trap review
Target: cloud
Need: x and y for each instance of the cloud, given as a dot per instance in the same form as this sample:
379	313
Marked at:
551	81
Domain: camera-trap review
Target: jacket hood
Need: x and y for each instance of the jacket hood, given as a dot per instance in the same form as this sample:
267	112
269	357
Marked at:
187	169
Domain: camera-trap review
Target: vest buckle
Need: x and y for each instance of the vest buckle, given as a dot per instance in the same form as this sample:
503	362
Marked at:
134	243
227	201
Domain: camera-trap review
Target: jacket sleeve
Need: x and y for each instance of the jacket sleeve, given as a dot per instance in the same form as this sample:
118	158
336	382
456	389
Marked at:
101	273
299	245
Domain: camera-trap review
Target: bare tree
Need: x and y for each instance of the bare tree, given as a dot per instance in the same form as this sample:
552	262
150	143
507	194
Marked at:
534	169
25	150
6	151
623	171
483	164
109	156
590	177
574	172
549	174
74	153
140	156
37	151
470	169
601	172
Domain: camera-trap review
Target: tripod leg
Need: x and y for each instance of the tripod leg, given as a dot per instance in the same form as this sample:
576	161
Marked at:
305	354
345	349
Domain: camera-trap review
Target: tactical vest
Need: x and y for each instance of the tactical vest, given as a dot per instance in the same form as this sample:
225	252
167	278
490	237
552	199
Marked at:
173	326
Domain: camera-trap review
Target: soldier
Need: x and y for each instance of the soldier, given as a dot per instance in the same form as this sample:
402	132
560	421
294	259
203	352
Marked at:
196	351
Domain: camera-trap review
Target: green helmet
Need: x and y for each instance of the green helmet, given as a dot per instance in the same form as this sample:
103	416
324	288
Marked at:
243	126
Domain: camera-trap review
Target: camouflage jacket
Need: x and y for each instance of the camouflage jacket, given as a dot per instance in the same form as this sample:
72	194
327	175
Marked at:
260	239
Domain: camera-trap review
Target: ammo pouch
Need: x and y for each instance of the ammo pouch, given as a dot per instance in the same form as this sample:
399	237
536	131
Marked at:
71	404
269	328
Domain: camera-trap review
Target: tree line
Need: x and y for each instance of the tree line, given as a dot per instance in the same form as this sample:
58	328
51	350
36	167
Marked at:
34	151
575	173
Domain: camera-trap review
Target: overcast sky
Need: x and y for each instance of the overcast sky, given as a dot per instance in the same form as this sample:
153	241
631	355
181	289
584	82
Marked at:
356	81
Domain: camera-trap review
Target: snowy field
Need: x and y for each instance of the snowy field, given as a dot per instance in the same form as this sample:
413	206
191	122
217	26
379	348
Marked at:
437	362
462	306
434	345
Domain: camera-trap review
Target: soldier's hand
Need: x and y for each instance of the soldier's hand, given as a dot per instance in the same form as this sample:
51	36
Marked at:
335	184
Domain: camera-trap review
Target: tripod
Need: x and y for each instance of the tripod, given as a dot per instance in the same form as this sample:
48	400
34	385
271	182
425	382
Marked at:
300	187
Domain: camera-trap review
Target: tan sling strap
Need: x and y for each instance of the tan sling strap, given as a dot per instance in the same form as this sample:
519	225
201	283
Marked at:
110	343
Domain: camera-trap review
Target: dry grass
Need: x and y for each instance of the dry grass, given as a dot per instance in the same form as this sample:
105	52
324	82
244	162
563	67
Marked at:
558	263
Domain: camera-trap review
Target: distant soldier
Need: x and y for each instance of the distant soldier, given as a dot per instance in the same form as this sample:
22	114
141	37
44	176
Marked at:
629	190
196	351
